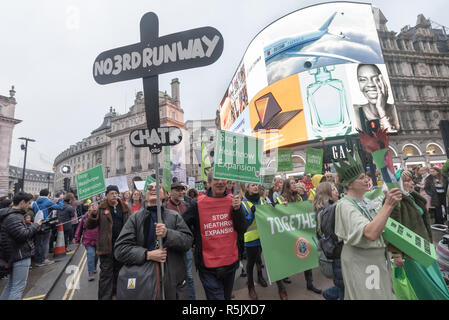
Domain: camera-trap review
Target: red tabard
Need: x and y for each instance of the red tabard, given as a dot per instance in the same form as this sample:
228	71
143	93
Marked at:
219	239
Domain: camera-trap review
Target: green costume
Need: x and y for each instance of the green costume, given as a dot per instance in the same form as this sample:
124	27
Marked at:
365	265
428	283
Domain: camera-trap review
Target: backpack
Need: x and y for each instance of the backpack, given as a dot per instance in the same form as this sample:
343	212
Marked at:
326	232
39	214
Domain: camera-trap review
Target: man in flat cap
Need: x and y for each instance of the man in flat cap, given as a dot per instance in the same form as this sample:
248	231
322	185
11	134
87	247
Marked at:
110	218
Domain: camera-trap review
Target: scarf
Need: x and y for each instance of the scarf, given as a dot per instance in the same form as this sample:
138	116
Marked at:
254	198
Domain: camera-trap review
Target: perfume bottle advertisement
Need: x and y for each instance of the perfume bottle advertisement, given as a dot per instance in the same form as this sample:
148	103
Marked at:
327	102
277	114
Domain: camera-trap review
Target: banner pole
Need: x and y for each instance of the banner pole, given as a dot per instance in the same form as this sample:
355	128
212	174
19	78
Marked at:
159	218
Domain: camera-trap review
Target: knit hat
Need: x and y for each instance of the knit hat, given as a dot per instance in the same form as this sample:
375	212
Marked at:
112	188
348	172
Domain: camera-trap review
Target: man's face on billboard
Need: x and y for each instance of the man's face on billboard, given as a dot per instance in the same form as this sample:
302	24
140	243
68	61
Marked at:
368	78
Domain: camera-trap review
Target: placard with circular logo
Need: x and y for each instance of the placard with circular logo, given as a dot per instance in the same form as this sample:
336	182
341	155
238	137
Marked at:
302	248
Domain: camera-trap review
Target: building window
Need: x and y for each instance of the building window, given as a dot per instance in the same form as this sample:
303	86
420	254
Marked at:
137	157
432	70
410	151
438	69
397	93
413	67
121	158
433	149
420	92
173	115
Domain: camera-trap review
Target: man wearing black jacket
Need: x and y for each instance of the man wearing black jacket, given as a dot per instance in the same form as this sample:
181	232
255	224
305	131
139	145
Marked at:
216	218
16	244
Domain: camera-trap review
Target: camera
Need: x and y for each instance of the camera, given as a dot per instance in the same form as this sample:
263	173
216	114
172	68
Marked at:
48	224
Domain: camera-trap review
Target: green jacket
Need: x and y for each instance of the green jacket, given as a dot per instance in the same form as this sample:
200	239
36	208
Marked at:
409	215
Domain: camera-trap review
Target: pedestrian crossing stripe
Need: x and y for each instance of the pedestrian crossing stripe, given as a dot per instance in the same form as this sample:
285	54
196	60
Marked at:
132	283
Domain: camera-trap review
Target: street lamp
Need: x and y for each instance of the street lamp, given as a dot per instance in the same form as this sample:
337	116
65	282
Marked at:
25	147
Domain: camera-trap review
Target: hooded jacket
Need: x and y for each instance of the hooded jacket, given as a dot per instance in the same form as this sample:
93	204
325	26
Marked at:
43	203
16	236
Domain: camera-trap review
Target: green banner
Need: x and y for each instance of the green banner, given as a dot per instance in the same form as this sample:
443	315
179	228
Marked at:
199	186
205	161
90	183
166	174
314	161
237	157
285	162
148	180
288	237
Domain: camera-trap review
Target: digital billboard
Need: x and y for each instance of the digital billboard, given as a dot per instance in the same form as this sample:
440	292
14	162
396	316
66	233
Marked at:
315	73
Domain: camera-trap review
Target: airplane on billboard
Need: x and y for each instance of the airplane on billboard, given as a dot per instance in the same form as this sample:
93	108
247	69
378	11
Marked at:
284	45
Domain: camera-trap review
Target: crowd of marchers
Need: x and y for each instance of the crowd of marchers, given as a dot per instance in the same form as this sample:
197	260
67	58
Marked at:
122	233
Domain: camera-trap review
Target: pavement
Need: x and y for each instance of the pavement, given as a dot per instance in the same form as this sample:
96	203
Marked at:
41	280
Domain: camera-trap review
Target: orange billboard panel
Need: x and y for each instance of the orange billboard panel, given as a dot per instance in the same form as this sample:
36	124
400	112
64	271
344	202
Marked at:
277	115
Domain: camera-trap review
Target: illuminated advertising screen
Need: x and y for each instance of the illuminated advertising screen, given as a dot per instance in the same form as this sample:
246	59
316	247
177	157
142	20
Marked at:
316	73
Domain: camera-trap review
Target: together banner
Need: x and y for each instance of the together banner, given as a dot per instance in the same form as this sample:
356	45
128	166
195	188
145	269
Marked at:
288	237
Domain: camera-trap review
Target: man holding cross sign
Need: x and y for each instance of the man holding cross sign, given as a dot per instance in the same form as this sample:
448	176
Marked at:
138	245
183	50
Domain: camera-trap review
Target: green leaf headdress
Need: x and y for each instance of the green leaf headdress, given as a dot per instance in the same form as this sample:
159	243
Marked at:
348	172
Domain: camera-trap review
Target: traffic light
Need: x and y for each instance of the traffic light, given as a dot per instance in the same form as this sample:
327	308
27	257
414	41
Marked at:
16	187
67	184
373	126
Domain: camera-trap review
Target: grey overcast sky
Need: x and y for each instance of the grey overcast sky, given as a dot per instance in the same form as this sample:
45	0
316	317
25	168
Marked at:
47	49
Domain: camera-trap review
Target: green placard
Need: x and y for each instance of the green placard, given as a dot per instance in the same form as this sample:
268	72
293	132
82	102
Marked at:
199	186
205	161
148	180
237	157
90	183
285	162
166	174
314	161
413	245
287	234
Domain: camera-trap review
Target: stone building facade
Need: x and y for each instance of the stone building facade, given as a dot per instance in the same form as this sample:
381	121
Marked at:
7	123
198	131
35	180
109	144
417	60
